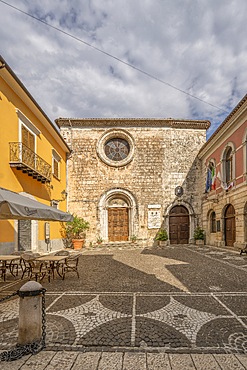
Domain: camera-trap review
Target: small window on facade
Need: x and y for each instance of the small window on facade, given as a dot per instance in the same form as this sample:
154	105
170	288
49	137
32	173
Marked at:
56	164
228	165
213	222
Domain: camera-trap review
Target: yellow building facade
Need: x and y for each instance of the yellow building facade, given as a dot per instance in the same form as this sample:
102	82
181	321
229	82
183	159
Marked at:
33	163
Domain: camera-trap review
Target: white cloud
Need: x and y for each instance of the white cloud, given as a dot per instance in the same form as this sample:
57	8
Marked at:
198	46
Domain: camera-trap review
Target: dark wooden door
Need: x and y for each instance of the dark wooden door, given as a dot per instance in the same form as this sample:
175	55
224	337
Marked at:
24	235
179	225
230	228
118	224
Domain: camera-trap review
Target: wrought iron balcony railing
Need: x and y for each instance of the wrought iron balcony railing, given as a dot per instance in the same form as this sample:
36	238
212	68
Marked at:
29	162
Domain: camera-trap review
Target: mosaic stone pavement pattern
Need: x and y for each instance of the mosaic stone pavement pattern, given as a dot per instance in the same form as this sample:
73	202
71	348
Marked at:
176	299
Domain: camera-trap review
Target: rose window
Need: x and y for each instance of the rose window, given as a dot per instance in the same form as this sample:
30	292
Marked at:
117	149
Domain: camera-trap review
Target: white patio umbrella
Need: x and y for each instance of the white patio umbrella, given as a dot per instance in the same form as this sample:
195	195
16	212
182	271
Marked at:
16	206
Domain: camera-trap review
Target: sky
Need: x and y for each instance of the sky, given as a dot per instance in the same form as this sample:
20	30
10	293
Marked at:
182	59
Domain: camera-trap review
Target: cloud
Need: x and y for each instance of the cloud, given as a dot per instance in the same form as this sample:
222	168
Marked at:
197	46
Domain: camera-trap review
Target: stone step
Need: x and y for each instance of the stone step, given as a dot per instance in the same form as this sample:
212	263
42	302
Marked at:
116	245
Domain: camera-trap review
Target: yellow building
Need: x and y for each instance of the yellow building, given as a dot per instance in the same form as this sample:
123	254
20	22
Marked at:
33	163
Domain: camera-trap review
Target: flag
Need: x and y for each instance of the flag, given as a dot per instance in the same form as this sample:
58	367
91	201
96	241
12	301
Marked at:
208	181
213	179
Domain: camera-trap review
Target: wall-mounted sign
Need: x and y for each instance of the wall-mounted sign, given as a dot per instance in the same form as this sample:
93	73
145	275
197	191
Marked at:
154	219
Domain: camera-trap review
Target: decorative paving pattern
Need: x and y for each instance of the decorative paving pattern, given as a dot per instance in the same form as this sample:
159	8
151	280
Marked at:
88	316
172	325
210	316
186	320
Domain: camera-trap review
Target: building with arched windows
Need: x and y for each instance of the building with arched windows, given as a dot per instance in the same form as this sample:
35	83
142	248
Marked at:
133	176
224	204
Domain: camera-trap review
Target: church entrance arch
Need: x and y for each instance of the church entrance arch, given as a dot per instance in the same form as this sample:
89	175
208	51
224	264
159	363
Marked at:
118	220
179	225
230	226
117	209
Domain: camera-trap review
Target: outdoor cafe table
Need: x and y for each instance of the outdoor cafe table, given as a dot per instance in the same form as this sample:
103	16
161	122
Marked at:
54	263
6	263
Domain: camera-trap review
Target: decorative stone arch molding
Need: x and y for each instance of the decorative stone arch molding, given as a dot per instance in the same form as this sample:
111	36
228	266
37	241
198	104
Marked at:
191	212
127	143
228	146
104	204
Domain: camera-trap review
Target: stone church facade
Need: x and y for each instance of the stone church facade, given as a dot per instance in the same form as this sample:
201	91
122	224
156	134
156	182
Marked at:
133	176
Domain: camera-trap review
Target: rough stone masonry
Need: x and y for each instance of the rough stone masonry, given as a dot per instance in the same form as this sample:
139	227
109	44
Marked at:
128	169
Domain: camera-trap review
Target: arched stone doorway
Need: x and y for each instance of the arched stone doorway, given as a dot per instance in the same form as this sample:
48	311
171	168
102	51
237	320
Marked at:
179	225
117	213
230	226
118	220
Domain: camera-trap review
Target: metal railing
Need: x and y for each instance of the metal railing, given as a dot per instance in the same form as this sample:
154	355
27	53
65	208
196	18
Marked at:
25	159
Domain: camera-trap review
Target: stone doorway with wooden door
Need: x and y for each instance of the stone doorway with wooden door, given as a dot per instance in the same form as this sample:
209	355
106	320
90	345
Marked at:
179	225
118	223
117	215
230	226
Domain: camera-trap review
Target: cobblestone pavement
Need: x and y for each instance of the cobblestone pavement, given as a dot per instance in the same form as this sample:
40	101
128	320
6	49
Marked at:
142	308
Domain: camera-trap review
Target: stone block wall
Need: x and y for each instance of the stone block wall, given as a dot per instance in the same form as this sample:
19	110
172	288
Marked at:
163	158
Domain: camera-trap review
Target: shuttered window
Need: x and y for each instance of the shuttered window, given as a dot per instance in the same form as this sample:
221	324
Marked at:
27	138
56	164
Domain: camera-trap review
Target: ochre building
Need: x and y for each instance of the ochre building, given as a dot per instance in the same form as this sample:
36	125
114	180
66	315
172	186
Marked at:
33	164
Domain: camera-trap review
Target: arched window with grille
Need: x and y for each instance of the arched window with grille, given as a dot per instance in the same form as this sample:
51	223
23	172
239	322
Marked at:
228	166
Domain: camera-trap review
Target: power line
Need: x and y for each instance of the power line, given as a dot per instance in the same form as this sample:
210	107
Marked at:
113	57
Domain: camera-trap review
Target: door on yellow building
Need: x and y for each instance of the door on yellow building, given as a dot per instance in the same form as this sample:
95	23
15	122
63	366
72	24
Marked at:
118	224
24	235
28	147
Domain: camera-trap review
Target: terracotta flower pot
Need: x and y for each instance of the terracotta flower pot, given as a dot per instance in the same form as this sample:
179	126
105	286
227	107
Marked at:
78	243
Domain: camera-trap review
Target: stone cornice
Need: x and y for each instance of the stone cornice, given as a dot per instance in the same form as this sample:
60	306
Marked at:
132	122
229	121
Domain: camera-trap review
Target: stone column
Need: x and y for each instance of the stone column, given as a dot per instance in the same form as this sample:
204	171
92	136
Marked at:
30	313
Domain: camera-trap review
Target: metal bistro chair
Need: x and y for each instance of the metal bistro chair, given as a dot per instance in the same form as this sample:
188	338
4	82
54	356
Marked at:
32	267
71	264
60	265
13	266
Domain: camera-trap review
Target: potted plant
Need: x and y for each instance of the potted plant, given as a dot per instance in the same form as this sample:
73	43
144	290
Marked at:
75	230
162	237
99	240
133	238
199	235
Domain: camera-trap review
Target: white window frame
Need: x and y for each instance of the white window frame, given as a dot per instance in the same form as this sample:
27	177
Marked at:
223	161
56	157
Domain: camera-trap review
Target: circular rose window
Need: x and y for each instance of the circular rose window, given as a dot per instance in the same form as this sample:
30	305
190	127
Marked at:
116	147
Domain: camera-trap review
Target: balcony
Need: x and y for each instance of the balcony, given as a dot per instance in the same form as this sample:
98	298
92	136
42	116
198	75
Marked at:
24	159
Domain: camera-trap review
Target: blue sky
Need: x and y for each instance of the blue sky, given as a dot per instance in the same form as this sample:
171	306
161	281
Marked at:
198	46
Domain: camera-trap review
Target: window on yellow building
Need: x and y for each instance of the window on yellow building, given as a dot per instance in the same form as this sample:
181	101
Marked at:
56	159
